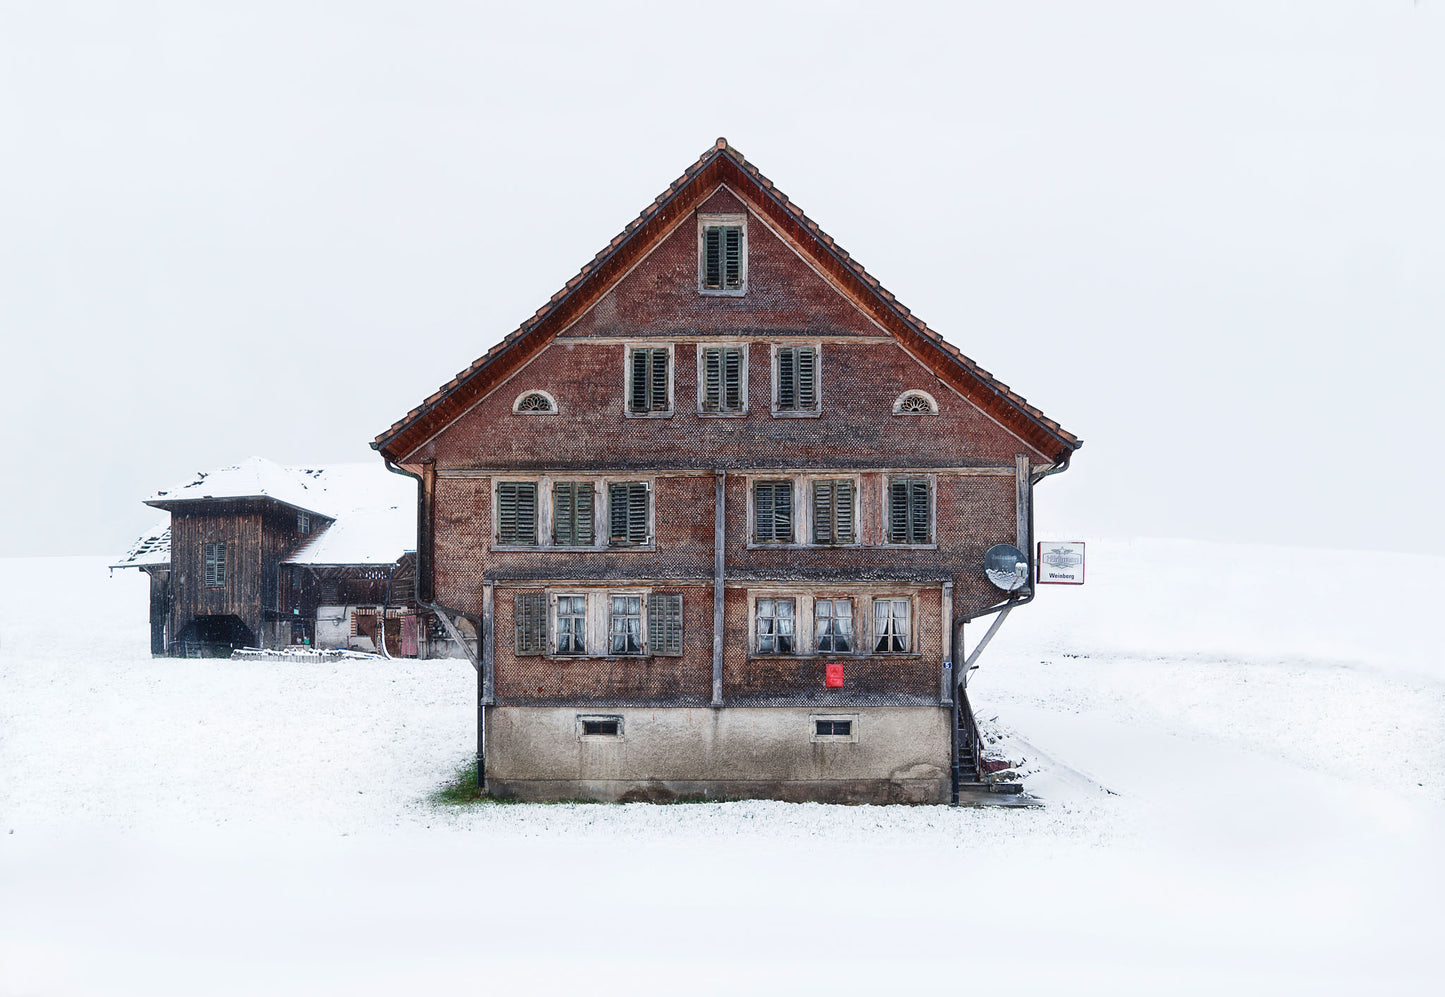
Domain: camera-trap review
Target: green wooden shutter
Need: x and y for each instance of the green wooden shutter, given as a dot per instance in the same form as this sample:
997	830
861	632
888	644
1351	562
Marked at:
787	381
733	256
733	378
898	512
658	400
664	623
517	512
585	527
807	379
773	511
843	512
823	513
712	258
918	513
628	513
639	381
712	379
529	619
564	513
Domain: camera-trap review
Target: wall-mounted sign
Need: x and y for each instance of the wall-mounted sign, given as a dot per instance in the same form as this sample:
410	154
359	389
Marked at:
1061	562
833	675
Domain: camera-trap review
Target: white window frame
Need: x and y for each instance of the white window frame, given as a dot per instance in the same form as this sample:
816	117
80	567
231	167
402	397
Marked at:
932	480
912	635
701	383
706	221
835	597
516	403
817	410
554	629
645	648
755	639
671	409
805	602
915	393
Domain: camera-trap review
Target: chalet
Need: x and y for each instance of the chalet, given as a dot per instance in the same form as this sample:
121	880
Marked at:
711	521
263	556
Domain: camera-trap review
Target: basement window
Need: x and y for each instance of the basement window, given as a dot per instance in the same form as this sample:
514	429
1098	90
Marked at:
722	251
599	726
834	727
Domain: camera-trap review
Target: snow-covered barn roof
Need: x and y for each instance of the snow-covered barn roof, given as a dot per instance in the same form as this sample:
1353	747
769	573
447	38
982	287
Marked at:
151	550
374	511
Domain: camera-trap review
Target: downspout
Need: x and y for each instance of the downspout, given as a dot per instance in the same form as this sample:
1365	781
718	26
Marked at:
424	593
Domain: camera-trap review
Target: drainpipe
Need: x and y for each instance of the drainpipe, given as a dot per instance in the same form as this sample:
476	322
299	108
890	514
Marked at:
424	593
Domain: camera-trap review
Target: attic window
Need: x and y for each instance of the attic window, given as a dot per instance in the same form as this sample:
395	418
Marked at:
722	254
915	403
303	523
535	403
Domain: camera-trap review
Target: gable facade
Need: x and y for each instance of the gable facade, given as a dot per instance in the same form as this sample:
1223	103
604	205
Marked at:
723	496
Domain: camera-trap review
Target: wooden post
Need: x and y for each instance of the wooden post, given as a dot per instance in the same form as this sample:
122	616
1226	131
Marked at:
488	648
1021	506
719	529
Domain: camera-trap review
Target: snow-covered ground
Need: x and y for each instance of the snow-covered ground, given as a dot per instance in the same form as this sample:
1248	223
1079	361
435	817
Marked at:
1240	750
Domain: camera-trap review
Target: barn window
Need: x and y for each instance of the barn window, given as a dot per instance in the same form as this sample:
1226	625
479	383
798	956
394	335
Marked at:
517	512
833	505
722	379
571	624
664	623
599	726
795	380
833	625
215	558
777	626
909	511
915	403
649	384
627	511
535	403
573	507
303	523
624	625
773	512
890	626
722	254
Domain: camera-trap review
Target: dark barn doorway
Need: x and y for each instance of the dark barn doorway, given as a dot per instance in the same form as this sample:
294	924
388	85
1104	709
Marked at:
214	637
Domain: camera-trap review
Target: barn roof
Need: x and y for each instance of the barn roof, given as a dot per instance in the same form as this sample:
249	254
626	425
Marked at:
723	164
373	511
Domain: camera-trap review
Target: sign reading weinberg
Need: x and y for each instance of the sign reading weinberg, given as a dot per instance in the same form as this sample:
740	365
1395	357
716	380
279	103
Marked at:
1061	562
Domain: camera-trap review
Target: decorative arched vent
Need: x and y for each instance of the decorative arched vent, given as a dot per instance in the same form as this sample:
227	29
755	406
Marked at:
535	403
915	403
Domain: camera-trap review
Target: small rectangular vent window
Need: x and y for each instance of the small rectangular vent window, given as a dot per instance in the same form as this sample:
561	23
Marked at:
606	725
833	728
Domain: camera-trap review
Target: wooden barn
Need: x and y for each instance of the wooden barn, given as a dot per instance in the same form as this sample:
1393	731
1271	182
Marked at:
257	555
710	522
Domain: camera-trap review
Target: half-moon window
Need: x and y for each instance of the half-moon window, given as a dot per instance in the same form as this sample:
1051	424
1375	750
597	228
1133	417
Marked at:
535	403
915	403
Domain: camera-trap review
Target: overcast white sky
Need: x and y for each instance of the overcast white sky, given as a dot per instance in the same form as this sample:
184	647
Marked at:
1208	238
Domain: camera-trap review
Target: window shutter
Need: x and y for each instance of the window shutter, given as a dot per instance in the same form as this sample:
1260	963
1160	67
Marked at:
787	384
733	377
773	510
898	512
628	503
918	512
807	379
712	258
712	377
658	401
517	512
843	512
564	515
664	623
733	250
529	619
639	380
823	513
584	529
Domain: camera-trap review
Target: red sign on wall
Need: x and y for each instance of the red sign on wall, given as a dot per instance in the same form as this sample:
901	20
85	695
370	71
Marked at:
833	675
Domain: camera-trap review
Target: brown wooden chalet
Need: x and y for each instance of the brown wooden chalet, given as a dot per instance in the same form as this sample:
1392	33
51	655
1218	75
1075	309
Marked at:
711	520
256	555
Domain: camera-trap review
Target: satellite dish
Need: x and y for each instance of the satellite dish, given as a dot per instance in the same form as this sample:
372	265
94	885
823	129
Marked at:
1006	566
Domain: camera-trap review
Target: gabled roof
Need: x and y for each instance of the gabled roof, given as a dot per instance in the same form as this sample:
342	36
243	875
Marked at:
718	165
373	511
